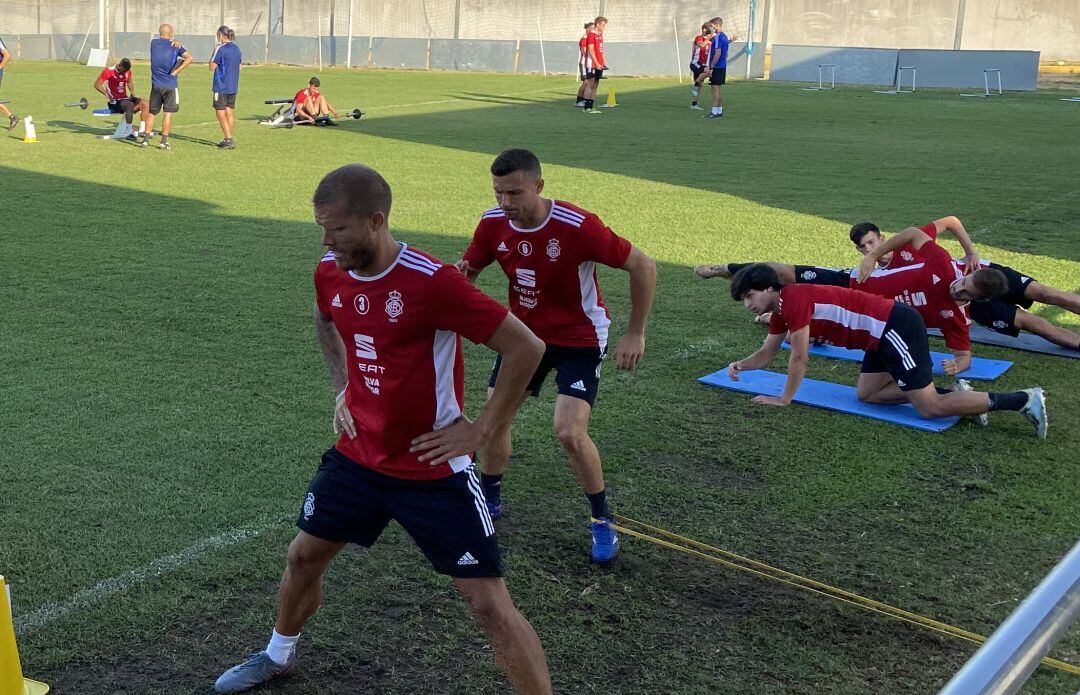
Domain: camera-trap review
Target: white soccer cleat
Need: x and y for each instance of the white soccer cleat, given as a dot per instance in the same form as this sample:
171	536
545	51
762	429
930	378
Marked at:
1035	411
965	385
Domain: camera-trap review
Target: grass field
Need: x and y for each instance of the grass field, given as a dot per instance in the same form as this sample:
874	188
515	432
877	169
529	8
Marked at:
164	403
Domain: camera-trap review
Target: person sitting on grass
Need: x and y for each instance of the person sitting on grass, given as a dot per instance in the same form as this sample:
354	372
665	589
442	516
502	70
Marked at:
897	365
309	104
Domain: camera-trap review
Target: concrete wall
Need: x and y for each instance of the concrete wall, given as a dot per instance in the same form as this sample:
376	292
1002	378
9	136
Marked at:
1051	27
876	66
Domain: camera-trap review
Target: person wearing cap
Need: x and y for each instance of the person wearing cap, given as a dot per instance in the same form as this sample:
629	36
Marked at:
225	64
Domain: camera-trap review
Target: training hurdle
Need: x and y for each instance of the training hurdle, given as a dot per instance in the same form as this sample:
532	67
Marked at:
1075	99
832	78
898	89
986	84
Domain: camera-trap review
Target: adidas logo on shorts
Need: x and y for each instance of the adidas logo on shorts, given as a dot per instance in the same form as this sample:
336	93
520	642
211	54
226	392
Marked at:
467	559
578	385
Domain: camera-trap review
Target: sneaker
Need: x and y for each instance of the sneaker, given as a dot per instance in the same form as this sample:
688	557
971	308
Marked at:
695	107
144	141
714	115
13	121
965	385
1035	410
258	669
579	103
132	137
605	542
227	144
164	145
495	510
593	110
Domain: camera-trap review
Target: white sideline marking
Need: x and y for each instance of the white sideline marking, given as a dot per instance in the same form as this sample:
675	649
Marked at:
85	598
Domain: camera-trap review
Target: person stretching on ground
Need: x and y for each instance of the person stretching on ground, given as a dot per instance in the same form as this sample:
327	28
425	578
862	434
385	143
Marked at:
309	103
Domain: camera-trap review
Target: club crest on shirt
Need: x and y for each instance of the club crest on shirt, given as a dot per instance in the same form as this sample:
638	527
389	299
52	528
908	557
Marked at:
553	250
906	255
525	248
361	304
395	305
947	313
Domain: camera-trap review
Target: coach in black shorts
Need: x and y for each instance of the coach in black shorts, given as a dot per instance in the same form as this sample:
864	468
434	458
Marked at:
168	58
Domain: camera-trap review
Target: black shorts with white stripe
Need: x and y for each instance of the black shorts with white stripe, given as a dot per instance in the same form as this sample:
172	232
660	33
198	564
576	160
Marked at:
903	351
577	371
447	518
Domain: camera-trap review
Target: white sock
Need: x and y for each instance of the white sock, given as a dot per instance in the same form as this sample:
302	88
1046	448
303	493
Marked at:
281	647
719	109
716	109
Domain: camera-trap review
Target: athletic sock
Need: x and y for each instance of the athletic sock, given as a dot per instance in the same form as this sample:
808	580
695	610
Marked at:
492	485
1012	400
598	502
694	102
281	647
941	391
736	267
720	109
588	103
715	109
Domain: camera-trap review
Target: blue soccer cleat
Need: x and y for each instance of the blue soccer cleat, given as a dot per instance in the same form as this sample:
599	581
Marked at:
605	542
258	669
495	510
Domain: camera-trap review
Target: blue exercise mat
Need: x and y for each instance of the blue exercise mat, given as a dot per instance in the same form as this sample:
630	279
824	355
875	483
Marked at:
980	370
1028	342
824	394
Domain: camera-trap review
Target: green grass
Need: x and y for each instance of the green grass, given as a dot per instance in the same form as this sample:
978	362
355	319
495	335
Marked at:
162	386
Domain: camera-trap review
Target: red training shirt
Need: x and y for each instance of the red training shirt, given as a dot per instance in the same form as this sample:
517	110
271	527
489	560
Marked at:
116	84
836	316
552	271
400	330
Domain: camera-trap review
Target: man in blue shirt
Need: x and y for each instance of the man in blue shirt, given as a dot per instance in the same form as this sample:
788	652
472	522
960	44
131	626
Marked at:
165	53
5	55
717	68
225	64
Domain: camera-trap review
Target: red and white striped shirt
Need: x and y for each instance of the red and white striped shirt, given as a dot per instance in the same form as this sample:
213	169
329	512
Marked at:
406	378
552	271
700	51
116	83
836	316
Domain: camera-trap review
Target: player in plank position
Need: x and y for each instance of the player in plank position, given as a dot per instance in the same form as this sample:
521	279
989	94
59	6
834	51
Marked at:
897	365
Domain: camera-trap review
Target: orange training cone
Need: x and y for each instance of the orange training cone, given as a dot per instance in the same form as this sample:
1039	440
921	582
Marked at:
11	678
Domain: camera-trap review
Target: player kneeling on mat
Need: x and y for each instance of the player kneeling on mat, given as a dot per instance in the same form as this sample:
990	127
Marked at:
897	366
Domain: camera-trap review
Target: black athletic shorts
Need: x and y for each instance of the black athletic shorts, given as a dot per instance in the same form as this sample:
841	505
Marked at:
997	315
224	101
903	351
816	275
719	76
117	106
594	74
577	371
1017	286
697	70
167	97
447	518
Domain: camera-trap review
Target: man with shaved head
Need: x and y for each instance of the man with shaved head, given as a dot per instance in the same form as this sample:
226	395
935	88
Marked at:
168	58
388	318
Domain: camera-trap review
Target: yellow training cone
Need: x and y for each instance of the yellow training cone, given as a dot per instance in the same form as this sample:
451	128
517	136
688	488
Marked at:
30	135
611	103
11	678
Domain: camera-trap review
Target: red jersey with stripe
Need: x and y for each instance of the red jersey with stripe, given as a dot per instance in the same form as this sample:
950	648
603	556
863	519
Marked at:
116	84
596	40
303	96
581	48
552	271
924	286
700	51
836	316
401	333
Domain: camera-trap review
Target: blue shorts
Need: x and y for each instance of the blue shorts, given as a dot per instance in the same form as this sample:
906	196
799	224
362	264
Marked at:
577	371
447	518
